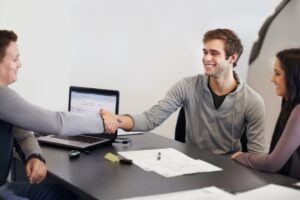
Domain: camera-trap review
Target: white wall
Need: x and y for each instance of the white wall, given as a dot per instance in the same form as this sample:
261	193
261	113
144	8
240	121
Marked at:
283	33
138	47
44	30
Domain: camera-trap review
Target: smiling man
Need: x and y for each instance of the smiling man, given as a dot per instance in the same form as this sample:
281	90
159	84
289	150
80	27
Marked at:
218	105
16	117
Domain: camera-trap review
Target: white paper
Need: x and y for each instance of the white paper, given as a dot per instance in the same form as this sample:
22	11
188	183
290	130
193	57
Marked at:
208	193
269	192
171	163
297	184
121	132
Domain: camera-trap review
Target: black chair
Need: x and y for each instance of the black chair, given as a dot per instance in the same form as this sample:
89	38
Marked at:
180	126
180	131
244	141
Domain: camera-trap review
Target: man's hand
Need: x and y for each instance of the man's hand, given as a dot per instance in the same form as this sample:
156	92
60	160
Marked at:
110	120
36	170
235	155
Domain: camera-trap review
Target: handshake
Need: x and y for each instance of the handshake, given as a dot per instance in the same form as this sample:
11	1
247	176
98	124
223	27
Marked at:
112	121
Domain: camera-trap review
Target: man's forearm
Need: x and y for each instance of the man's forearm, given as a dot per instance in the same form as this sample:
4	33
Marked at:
126	122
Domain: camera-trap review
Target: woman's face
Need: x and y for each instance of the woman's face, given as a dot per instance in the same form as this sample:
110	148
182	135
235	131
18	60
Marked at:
10	65
278	79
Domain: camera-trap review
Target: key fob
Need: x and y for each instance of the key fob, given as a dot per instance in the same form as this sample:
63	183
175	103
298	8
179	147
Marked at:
74	154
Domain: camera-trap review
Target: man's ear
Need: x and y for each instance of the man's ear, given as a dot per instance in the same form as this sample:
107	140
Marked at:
233	58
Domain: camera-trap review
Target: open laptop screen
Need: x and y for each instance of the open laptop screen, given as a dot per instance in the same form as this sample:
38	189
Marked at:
92	100
82	99
87	100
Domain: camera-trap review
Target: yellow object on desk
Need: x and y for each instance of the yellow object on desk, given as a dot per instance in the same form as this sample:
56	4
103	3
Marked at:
112	157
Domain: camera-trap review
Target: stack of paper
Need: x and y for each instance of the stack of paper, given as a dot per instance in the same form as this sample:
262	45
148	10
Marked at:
208	193
168	162
268	192
271	191
121	132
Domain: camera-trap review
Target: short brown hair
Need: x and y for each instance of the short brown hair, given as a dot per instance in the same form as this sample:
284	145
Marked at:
231	40
5	38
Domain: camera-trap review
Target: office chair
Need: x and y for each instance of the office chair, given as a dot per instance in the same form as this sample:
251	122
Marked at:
244	141
180	131
180	126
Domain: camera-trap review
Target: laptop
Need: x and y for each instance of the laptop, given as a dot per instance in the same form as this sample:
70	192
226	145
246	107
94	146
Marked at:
82	99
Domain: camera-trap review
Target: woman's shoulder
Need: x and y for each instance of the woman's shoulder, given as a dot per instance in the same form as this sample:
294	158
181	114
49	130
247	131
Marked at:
294	116
296	110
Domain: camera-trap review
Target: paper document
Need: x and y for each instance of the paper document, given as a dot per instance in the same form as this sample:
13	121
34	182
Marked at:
122	132
168	162
269	192
208	193
272	192
297	184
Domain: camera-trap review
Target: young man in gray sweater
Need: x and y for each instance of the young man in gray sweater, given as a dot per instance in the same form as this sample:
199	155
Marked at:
218	105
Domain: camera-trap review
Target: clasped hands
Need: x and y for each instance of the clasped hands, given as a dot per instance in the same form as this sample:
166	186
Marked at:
111	121
235	155
36	170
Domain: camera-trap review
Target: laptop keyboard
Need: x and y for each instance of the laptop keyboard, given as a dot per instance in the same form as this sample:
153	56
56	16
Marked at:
80	138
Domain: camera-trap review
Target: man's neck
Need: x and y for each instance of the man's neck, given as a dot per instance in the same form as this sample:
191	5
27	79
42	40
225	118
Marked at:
222	85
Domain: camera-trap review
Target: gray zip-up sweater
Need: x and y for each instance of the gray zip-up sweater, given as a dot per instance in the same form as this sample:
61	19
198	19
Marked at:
218	131
17	112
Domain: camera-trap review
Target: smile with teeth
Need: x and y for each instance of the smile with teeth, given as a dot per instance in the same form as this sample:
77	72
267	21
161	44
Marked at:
209	66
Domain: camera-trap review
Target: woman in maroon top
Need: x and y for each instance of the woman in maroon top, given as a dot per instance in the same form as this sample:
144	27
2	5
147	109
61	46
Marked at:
284	155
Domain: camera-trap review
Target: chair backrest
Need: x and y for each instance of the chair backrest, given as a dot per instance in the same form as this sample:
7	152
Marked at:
180	131
244	141
6	146
180	126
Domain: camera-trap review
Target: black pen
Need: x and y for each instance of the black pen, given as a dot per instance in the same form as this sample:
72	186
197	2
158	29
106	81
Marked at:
158	156
125	161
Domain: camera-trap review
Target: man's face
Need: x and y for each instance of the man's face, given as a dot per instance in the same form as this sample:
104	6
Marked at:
214	58
10	64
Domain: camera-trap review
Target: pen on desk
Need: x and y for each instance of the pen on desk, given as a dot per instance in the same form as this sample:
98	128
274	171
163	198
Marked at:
158	156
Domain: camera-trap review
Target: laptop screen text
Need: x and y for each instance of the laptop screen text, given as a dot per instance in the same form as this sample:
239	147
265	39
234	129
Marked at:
87	102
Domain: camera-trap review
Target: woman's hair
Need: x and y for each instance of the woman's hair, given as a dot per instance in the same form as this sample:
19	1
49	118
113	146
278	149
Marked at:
289	60
5	38
290	63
